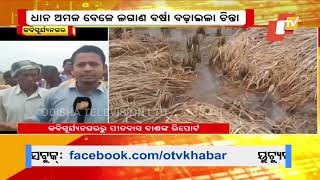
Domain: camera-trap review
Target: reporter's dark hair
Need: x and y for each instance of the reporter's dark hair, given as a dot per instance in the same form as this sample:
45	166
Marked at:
89	49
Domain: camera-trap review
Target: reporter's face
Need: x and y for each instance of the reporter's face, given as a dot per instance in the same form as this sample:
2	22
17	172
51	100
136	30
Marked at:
88	67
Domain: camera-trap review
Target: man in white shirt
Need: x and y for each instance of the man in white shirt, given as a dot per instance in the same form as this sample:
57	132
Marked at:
19	103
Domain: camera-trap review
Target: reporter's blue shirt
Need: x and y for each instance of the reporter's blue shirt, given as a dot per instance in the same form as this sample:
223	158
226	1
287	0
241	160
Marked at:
58	105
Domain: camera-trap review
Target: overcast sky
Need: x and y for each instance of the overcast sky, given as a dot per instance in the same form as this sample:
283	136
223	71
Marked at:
43	52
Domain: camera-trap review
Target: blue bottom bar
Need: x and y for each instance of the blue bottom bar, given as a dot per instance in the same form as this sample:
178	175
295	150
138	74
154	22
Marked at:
28	156
288	156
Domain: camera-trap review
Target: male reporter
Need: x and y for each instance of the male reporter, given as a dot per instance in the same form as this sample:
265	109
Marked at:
87	70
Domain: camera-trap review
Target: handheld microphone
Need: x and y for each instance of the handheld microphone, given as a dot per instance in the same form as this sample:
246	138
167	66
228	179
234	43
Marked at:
82	106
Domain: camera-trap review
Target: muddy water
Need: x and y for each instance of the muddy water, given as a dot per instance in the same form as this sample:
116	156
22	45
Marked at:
210	86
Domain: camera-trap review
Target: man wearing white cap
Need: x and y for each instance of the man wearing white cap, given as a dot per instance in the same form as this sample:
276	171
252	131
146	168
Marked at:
20	102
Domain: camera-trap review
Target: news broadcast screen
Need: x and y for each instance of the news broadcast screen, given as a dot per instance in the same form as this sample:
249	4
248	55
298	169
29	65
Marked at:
162	89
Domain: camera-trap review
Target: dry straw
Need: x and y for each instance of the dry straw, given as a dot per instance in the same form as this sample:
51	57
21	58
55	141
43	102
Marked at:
287	68
147	81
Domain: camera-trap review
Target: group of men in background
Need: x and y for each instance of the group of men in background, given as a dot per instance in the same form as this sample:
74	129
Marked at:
50	76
